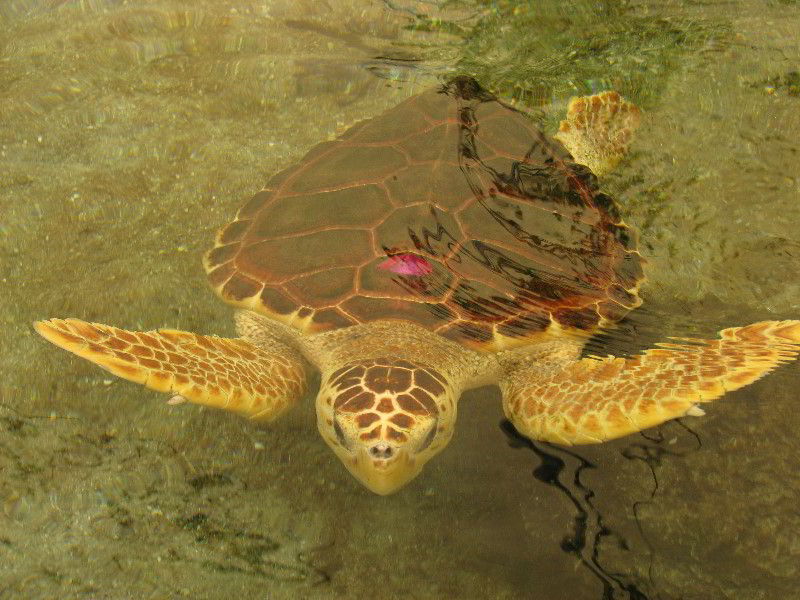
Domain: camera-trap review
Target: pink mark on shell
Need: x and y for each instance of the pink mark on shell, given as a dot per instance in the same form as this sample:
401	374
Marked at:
407	264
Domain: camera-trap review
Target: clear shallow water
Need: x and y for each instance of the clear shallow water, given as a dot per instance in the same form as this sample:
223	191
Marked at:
130	131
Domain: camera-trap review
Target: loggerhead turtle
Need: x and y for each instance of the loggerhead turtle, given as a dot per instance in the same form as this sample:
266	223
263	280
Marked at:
444	245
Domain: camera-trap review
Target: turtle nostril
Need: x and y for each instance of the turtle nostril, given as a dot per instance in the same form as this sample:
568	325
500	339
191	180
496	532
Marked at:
381	450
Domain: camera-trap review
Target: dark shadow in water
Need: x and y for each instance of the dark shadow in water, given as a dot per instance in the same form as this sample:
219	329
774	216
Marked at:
589	523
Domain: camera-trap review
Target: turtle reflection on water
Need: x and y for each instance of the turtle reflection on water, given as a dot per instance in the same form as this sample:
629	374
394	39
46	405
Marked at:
503	258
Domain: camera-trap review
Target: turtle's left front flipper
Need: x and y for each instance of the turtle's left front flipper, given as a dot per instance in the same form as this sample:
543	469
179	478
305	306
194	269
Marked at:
593	400
232	374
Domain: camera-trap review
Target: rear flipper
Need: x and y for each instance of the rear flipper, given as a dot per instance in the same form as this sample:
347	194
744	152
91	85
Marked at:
232	374
598	130
593	400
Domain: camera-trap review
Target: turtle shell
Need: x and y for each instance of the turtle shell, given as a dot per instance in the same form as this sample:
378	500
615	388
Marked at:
451	211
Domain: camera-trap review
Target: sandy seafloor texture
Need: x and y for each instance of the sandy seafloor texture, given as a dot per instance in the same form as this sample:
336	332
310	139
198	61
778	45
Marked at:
130	131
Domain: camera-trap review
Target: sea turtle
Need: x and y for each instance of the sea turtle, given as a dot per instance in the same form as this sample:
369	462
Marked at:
444	245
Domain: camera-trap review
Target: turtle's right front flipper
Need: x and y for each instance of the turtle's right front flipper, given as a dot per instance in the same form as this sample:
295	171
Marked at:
593	400
232	374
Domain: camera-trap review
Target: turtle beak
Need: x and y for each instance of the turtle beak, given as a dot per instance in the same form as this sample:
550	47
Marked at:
381	475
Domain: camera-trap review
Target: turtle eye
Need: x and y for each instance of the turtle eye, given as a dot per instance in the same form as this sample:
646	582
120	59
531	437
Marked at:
337	429
429	438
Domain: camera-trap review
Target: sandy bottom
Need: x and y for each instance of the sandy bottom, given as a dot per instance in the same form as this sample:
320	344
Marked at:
129	132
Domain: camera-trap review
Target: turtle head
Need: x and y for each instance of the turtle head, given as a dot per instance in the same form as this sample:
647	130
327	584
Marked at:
385	418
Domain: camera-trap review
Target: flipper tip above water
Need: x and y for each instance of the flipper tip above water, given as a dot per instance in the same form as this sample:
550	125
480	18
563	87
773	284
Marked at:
598	130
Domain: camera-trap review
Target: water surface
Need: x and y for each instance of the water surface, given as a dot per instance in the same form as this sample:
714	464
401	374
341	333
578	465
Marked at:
130	131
